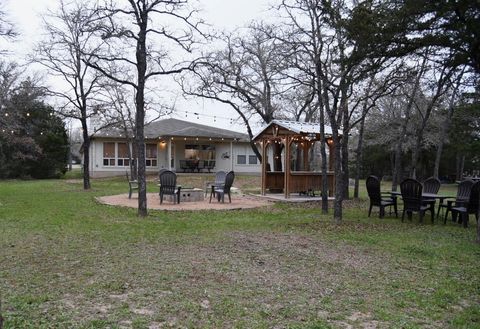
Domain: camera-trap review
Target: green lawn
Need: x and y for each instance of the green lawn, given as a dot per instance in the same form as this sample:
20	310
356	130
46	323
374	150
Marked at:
68	262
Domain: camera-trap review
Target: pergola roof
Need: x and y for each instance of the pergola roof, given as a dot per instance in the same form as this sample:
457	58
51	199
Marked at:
294	127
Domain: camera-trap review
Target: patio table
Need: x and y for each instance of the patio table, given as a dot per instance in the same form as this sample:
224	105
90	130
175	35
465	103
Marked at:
427	196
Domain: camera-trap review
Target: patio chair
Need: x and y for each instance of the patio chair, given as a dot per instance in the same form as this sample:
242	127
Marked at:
431	185
200	165
160	173
132	185
168	186
411	190
463	194
373	189
183	165
209	165
219	181
220	190
471	207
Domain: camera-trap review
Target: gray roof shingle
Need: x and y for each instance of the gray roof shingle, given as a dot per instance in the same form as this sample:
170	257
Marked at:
176	128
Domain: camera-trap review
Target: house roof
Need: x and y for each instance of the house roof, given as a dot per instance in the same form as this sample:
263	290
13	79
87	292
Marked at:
176	128
296	127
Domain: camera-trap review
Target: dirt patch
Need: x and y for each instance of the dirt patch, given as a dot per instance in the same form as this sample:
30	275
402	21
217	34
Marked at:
153	202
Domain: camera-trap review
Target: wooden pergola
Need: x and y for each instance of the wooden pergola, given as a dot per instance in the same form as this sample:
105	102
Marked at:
282	135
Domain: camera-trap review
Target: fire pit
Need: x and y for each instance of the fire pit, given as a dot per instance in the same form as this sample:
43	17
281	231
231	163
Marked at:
191	194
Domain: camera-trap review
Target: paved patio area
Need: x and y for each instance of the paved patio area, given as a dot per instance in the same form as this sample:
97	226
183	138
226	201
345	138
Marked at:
153	202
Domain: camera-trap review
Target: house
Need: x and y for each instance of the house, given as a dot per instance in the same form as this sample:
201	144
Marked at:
177	145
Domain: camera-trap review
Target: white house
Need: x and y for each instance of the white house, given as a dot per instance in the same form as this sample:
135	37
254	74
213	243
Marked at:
176	145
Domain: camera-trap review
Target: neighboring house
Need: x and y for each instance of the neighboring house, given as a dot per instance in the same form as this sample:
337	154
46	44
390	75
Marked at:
177	145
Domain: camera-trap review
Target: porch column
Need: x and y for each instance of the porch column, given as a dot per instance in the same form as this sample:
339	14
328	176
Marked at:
169	156
306	151
231	156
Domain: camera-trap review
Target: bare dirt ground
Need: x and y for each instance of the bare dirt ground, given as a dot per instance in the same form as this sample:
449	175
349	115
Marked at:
153	202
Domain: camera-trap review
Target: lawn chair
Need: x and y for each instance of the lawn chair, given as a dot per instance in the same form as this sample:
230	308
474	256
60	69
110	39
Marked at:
219	180
132	185
168	186
463	195
431	185
411	190
373	189
471	207
220	190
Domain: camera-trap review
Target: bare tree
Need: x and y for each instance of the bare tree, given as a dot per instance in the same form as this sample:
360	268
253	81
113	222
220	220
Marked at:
446	123
65	51
129	40
424	107
246	74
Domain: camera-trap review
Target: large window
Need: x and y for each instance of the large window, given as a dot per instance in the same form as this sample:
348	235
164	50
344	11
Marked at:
252	159
123	160
116	154
109	154
200	152
151	155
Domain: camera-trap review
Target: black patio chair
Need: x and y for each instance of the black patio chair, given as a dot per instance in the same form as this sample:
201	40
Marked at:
463	194
183	165
160	173
168	186
471	207
376	199
411	190
200	165
132	185
220	190
431	185
209	165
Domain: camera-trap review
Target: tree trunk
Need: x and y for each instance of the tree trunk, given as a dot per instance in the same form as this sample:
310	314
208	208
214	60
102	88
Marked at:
459	166
277	157
86	155
337	204
345	169
358	158
141	56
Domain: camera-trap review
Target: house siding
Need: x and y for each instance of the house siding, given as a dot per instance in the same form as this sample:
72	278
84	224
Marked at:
225	157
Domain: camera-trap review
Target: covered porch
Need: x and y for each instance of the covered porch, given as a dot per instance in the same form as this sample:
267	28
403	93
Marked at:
291	160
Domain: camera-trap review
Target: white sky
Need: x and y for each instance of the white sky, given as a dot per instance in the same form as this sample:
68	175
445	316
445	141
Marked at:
222	14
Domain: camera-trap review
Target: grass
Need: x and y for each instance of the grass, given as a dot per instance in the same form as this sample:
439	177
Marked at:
68	262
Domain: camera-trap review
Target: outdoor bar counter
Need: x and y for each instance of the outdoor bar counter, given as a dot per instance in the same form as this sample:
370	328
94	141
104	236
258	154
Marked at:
299	181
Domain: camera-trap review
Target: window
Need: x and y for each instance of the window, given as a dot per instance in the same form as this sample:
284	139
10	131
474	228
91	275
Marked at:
109	154
241	159
252	159
151	155
200	151
116	154
123	159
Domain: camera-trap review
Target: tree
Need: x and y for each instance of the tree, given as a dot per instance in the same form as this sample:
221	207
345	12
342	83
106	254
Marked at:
33	142
65	53
246	74
128	42
320	33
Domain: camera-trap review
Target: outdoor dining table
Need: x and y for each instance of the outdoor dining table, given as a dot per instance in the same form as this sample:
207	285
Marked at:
428	196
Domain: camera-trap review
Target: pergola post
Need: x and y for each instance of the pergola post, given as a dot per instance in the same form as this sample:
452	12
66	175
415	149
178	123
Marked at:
287	167
264	165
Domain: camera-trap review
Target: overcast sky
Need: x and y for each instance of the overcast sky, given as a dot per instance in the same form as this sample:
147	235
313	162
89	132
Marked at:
222	14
